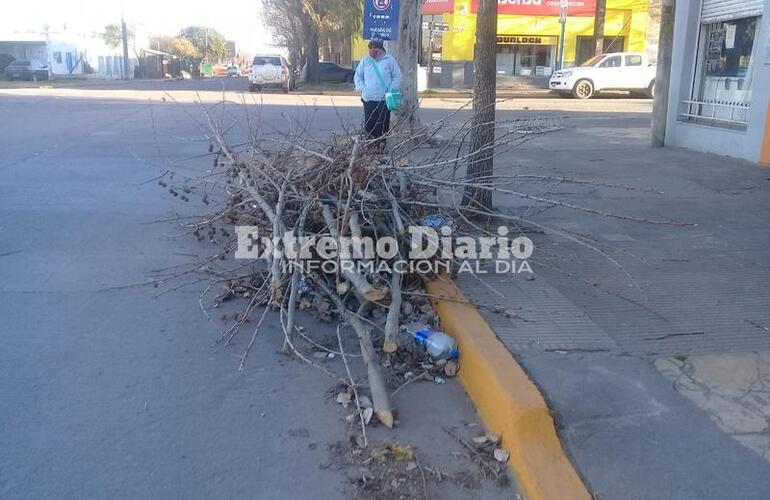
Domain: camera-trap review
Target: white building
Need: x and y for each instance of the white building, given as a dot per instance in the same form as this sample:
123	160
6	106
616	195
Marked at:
720	78
68	53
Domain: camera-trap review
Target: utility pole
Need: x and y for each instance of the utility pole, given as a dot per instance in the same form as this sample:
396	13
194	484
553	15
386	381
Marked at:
663	74
125	47
563	21
601	9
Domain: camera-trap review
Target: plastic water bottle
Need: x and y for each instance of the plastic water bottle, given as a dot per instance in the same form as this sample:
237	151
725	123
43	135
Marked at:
436	343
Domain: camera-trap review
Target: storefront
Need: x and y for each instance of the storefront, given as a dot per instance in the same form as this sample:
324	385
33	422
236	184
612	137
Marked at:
720	79
528	36
527	55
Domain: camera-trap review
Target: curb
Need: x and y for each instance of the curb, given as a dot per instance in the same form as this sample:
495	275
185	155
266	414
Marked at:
509	403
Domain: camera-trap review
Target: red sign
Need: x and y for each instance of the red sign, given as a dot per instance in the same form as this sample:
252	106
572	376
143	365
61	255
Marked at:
437	6
576	8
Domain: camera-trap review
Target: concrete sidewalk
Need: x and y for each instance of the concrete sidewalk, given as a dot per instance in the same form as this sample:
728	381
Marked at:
601	317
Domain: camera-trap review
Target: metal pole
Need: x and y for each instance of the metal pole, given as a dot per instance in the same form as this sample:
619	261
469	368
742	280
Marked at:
561	42
125	47
430	55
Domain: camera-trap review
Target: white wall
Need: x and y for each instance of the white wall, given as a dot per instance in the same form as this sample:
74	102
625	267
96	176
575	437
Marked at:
62	49
741	144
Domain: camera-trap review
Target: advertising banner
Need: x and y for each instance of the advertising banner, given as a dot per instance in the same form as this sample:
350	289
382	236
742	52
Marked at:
575	8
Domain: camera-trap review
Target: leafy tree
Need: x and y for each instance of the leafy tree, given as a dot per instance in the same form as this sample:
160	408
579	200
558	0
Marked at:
208	42
184	48
113	35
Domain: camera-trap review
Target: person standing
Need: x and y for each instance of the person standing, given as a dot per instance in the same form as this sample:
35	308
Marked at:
372	87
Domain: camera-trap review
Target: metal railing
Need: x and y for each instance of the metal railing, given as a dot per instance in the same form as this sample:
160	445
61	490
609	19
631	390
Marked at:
716	113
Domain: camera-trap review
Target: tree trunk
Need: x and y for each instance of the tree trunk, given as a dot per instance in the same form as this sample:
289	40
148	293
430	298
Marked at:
406	50
601	9
482	137
663	73
313	75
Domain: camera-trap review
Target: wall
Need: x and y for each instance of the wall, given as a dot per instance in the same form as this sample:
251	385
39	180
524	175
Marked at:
740	144
61	68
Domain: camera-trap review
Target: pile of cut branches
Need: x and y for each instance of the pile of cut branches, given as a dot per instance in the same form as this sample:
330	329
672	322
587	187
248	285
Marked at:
297	190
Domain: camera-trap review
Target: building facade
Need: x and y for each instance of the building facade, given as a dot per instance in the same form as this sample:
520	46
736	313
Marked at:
719	95
528	36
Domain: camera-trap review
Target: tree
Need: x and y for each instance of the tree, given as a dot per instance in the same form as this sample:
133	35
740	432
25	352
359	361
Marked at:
406	51
183	48
284	18
208	42
482	136
113	35
301	26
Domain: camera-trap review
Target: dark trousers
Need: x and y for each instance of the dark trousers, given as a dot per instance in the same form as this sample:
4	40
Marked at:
376	121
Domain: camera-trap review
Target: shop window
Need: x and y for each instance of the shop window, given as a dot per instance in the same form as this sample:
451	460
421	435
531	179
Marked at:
425	39
57	57
724	72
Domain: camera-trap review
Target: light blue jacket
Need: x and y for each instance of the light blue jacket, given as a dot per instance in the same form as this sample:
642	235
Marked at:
367	82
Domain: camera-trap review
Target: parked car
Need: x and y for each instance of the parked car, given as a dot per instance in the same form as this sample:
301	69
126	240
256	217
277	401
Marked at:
22	69
616	71
269	71
330	72
5	60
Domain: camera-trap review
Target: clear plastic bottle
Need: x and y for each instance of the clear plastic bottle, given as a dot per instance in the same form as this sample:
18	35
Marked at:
437	344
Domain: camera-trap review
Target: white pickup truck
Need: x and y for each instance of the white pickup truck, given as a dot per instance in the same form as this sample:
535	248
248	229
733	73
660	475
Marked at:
617	71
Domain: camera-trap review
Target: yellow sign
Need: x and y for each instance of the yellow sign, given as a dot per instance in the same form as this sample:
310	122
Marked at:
525	40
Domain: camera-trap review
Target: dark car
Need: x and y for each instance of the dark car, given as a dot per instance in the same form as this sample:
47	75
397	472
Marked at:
330	72
5	60
26	70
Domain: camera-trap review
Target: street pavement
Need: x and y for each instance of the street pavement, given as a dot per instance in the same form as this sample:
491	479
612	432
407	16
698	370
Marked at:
614	302
113	389
110	388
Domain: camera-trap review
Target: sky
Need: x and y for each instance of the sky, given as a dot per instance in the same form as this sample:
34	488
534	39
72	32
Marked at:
237	20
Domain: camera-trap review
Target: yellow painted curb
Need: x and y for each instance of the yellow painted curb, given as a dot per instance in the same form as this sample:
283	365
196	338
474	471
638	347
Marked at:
507	400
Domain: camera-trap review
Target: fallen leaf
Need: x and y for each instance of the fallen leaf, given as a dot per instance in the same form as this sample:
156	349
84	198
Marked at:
480	439
367	414
450	368
319	354
501	455
401	452
344	399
